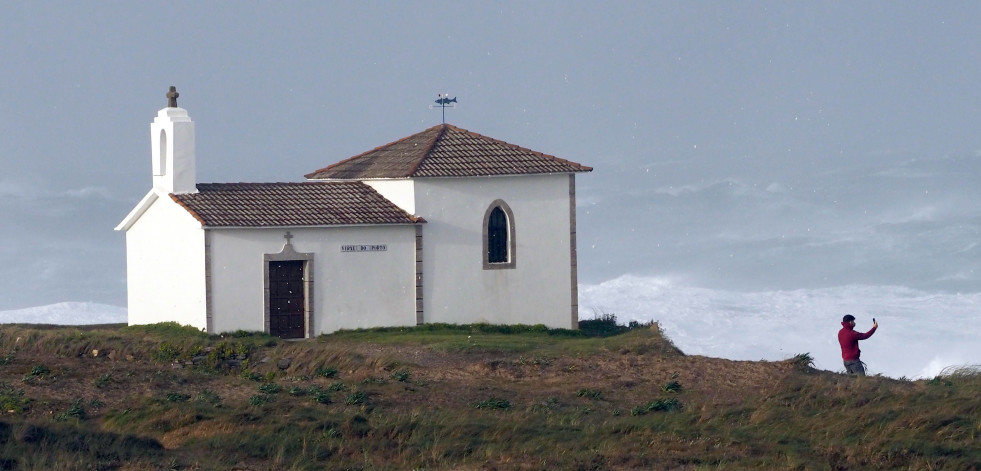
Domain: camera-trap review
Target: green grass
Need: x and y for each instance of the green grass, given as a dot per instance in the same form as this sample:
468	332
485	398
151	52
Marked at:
485	338
165	330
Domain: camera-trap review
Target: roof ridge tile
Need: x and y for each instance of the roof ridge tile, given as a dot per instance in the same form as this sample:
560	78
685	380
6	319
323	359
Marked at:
446	151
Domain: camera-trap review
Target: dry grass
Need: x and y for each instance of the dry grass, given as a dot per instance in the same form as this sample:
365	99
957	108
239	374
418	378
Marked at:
164	397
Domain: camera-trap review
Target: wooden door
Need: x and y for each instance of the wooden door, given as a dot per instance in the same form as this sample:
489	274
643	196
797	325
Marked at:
287	300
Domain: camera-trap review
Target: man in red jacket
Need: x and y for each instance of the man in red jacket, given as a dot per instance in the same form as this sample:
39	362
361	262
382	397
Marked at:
848	339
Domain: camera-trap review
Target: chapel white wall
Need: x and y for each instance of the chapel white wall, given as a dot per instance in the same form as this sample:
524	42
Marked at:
399	191
457	289
350	289
165	270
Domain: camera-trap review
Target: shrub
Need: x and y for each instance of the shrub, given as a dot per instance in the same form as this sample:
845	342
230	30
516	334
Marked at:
672	386
665	405
270	388
401	376
493	403
338	386
75	411
326	371
803	362
322	397
604	325
590	393
356	398
39	370
260	399
178	397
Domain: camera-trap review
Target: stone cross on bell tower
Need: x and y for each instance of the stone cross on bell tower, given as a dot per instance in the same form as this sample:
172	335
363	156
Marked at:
172	97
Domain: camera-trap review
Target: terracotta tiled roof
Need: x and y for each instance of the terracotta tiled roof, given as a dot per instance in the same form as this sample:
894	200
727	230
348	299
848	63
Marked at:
290	204
446	151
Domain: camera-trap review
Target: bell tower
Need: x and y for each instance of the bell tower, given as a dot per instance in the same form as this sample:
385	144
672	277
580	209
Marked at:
172	148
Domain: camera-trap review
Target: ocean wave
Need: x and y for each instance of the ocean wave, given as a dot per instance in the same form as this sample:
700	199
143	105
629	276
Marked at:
920	333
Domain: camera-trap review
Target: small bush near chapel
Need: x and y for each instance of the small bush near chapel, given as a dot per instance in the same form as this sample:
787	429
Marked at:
603	326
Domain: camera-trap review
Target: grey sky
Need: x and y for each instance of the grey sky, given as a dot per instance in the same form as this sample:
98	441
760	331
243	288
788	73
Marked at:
749	145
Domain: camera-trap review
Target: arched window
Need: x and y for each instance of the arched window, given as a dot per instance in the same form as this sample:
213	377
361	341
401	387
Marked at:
498	236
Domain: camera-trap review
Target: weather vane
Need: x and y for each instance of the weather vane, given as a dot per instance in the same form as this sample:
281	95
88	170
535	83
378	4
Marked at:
444	101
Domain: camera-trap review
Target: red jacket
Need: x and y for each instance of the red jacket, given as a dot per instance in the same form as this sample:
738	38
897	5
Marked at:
848	339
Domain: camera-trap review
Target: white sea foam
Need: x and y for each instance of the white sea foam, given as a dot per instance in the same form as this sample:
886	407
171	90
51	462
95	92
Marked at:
68	313
920	333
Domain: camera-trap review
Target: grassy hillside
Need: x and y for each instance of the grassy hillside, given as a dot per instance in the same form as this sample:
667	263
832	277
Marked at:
456	397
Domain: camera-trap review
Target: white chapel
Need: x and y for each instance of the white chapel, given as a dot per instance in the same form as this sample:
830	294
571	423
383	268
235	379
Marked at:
443	226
